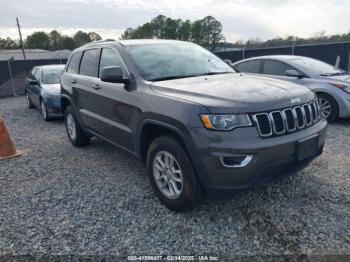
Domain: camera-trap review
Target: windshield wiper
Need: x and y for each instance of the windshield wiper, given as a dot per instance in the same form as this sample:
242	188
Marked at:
333	74
215	73
186	76
169	78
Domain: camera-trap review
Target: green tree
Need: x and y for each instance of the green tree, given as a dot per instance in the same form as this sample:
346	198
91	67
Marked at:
197	32
94	36
81	38
40	40
185	31
128	33
55	40
211	31
8	43
67	43
158	25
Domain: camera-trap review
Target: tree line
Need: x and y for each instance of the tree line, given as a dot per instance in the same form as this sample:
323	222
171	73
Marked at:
206	32
317	38
51	41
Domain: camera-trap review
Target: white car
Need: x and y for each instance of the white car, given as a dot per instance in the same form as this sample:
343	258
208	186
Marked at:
332	85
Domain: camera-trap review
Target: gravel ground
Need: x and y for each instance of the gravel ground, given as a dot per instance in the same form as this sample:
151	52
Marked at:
58	199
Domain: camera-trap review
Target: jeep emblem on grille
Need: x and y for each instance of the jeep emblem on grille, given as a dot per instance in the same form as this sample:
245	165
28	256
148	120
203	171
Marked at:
295	100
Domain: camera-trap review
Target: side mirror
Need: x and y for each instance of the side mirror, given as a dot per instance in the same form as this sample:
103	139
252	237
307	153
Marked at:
113	74
228	61
294	73
33	82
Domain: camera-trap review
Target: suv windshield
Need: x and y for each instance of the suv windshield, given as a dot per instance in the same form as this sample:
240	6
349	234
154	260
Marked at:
315	67
156	62
52	75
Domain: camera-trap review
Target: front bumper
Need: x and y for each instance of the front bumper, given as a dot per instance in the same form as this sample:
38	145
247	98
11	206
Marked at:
273	158
53	105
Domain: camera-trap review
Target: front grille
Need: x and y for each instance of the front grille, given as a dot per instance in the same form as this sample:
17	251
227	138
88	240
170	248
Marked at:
287	120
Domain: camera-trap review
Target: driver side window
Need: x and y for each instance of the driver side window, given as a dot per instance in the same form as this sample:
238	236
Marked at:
110	57
276	68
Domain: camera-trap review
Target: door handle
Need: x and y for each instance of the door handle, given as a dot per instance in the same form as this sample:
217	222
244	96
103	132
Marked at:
96	87
73	81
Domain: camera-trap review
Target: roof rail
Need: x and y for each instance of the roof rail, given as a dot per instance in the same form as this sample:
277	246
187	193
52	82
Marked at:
100	41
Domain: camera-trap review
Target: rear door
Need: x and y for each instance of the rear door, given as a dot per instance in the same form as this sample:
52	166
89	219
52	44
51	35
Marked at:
85	91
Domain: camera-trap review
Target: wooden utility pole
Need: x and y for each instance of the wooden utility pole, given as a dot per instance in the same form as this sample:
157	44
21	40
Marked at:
20	39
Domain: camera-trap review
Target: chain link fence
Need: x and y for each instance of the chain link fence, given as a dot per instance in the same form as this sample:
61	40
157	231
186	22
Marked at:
14	73
329	53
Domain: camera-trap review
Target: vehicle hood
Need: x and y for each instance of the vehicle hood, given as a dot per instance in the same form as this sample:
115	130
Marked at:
53	89
345	79
235	93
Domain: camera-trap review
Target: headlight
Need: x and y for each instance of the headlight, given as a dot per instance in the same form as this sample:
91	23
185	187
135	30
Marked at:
225	122
346	88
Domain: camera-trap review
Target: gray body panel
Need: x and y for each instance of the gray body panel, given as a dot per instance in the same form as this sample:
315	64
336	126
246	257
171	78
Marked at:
118	114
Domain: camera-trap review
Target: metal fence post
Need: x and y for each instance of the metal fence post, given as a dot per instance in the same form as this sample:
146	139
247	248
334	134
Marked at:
12	84
349	63
243	52
293	48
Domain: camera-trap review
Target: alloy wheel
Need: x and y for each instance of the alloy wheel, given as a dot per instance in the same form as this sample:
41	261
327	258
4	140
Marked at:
168	174
71	128
325	107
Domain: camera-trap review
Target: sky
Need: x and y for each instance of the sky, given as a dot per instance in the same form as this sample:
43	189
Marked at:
241	19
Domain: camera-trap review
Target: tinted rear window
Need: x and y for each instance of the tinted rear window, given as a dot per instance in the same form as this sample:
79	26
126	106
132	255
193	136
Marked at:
276	68
73	66
249	67
89	63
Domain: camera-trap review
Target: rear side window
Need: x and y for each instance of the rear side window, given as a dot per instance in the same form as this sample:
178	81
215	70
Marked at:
276	68
249	67
73	66
110	57
89	63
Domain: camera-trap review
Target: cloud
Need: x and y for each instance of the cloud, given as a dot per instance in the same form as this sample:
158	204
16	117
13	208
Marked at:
241	19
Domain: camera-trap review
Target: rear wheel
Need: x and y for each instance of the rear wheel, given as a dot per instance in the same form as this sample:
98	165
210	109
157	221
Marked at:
329	107
171	174
29	101
76	134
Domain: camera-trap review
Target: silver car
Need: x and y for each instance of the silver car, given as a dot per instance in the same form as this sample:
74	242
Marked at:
332	85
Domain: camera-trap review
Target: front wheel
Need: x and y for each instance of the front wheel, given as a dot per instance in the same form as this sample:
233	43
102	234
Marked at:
328	106
76	134
29	101
171	174
44	111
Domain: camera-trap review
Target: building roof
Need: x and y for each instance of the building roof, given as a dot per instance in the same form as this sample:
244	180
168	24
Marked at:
33	54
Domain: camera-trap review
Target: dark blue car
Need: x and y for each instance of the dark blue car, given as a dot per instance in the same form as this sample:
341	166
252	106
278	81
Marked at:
42	88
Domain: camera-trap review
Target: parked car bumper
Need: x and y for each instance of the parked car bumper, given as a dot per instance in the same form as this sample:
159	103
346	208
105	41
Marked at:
53	105
344	110
272	158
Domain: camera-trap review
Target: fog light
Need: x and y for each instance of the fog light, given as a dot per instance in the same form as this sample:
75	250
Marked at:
236	160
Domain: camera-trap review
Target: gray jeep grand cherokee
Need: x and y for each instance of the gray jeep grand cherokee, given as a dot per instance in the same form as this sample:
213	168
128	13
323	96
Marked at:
199	127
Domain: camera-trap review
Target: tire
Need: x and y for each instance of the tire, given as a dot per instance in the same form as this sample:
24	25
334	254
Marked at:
329	107
29	101
77	136
43	111
189	193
